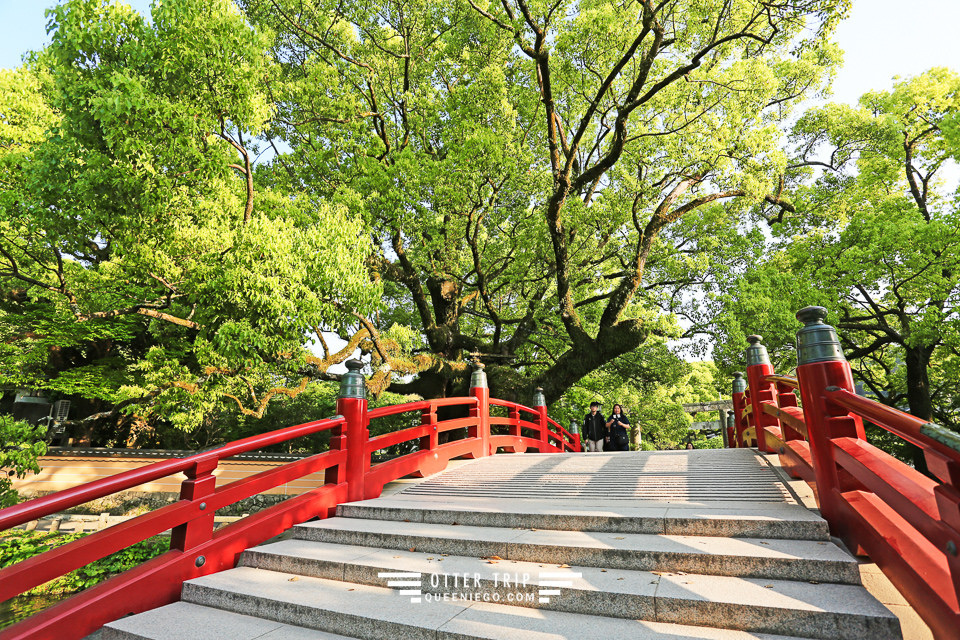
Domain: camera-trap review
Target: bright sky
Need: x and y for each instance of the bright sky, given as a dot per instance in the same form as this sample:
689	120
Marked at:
886	38
881	38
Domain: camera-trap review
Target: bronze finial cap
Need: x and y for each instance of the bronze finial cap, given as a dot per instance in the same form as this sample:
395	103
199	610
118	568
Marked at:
739	383
352	383
817	341
756	353
478	378
538	398
812	315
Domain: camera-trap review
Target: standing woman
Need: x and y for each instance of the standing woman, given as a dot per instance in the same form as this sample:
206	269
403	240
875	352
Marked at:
618	425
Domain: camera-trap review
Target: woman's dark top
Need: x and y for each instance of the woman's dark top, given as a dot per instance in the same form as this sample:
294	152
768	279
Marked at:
618	435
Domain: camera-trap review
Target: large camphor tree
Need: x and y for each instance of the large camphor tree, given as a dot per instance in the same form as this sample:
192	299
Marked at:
187	202
526	168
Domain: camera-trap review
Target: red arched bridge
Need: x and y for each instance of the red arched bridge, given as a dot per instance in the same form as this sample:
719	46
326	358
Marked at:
696	544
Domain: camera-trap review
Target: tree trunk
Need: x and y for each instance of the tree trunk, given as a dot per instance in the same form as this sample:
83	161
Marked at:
584	358
918	395
918	382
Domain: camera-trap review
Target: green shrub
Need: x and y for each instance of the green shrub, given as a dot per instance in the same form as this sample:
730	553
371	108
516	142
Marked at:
16	545
20	445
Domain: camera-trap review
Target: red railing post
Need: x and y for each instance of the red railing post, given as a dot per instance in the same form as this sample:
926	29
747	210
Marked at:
200	484
730	429
758	367
739	402
352	405
338	442
787	398
540	404
948	507
428	417
575	432
513	413
480	391
820	366
336	474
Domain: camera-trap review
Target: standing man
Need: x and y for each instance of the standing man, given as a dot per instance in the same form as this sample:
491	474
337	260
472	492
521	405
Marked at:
594	428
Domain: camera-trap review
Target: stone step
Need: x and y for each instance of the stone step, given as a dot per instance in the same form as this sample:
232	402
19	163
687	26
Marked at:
785	521
828	611
188	621
803	560
369	612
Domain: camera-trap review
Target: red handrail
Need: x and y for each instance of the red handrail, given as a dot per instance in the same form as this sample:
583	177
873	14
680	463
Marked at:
42	568
37	508
791	416
513	405
908	427
908	523
420	405
566	437
197	549
566	440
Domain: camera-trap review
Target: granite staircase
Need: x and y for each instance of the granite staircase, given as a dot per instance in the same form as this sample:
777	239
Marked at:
478	557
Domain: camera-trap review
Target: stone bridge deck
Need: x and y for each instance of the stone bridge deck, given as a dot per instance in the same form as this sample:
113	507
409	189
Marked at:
697	477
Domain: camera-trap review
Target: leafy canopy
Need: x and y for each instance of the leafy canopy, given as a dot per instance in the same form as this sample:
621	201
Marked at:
148	260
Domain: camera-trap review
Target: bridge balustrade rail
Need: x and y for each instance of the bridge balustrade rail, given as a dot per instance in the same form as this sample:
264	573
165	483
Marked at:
905	521
197	549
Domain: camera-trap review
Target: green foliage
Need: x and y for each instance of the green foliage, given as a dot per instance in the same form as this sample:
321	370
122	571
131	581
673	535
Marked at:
20	445
660	414
528	193
16	546
874	239
149	270
652	385
542	189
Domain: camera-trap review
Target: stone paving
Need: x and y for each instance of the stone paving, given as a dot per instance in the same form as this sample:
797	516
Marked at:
669	477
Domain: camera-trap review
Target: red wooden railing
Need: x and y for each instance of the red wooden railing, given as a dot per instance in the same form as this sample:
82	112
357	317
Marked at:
906	522
196	549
